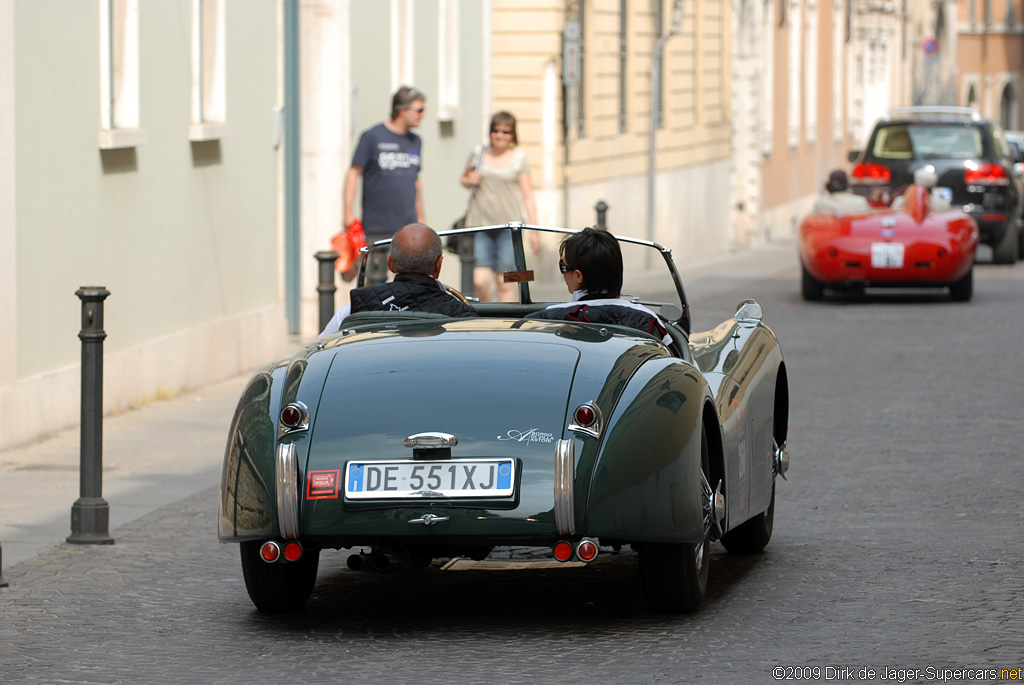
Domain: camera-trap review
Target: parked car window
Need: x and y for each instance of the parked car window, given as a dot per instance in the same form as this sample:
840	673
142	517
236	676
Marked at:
893	142
949	141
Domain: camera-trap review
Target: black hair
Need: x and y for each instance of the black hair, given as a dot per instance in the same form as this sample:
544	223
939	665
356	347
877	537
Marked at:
596	255
837	181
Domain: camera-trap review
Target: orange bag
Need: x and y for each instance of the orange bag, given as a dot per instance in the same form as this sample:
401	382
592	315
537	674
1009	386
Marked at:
348	244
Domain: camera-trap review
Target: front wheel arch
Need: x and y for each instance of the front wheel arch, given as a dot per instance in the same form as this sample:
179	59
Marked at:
780	411
752	536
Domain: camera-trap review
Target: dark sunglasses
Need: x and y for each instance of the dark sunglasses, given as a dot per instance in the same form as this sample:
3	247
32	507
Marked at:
418	110
565	268
506	131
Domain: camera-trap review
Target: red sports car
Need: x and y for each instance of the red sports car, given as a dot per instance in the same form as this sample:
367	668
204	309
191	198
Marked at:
913	246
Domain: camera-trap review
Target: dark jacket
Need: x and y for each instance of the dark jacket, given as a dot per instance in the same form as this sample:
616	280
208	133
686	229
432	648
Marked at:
415	292
599	309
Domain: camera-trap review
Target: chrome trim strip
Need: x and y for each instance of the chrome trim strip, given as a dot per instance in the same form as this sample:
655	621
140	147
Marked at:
565	471
593	430
287	479
431	440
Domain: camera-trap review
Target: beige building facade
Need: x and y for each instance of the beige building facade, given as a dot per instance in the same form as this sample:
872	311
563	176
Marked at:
990	58
586	129
832	68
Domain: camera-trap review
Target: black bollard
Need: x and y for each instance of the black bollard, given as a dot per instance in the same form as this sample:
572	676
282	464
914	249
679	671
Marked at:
468	261
90	515
602	215
326	287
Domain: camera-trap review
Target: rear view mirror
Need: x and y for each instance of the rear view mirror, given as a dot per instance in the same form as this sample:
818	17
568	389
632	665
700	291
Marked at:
852	155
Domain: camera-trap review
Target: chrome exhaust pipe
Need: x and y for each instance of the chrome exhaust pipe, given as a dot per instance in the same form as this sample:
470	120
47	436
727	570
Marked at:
377	561
359	562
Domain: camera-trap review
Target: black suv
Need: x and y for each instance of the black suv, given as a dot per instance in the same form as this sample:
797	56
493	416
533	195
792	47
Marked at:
970	156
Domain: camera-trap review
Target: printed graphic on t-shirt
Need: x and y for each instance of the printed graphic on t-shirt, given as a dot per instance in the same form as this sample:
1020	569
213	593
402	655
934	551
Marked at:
390	157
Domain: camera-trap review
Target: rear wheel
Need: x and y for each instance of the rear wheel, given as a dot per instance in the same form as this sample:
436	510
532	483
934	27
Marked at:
1005	252
810	287
280	587
962	290
675	576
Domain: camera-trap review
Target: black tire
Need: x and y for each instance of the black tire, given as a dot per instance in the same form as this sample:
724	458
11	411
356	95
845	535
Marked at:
810	287
675	576
752	536
962	290
1005	252
282	587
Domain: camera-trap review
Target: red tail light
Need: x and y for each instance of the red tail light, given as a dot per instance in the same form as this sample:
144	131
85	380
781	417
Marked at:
292	415
562	550
292	550
587	550
987	174
270	551
871	174
585	415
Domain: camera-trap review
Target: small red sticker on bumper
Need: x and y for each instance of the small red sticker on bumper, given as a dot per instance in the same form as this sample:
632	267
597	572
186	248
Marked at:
322	484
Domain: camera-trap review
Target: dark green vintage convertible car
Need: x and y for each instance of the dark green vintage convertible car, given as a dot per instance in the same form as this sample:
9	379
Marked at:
409	436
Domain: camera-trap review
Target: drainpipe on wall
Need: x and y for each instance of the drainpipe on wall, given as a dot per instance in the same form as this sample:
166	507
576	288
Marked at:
659	49
292	226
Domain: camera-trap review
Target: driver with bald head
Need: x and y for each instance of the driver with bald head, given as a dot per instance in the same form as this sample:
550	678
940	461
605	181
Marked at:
415	258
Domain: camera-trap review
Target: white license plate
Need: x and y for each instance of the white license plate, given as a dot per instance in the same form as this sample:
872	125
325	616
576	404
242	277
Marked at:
450	478
887	255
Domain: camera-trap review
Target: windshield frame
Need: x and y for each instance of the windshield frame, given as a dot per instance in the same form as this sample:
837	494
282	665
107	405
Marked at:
516	229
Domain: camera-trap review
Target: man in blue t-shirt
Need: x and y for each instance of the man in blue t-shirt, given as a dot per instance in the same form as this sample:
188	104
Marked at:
387	158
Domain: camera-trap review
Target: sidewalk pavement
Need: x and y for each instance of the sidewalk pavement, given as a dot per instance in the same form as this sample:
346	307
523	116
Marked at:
171	449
